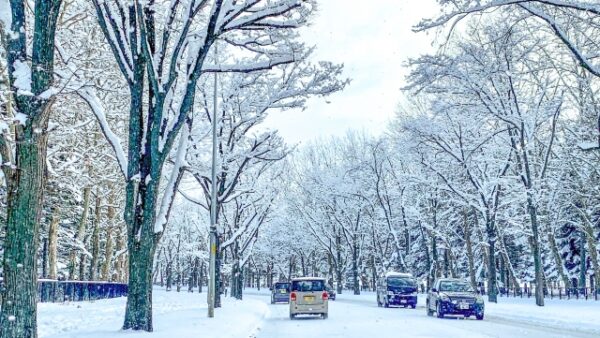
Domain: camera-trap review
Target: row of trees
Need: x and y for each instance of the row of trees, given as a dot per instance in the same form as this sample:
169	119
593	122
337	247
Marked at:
489	170
486	173
105	110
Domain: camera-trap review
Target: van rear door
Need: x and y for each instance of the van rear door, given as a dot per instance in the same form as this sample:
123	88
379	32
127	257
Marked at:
309	292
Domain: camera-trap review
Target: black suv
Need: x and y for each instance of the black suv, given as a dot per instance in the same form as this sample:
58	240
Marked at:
397	289
451	296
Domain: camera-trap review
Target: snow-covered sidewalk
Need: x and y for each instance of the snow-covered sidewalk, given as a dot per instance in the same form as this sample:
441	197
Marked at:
576	315
176	315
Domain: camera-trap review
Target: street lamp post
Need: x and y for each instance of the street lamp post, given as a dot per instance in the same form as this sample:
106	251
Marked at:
213	206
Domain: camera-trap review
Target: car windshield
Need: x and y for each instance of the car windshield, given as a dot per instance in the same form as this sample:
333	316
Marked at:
279	286
308	285
405	282
455	286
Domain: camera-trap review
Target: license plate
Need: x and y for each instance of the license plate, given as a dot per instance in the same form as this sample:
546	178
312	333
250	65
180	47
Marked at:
309	298
402	301
281	291
463	306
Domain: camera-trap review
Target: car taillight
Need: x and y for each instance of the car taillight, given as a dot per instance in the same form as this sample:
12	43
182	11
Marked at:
325	295
293	296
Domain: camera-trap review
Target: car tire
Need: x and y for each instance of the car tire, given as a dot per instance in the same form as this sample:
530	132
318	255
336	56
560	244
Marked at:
414	306
479	316
386	303
439	312
292	316
324	315
429	312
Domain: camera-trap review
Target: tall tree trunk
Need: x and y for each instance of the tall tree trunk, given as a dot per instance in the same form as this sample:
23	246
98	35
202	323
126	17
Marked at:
25	184
469	247
537	257
18	317
492	288
201	278
52	245
593	252
178	263
138	313
108	254
95	239
560	268
355	265
80	234
509	265
121	265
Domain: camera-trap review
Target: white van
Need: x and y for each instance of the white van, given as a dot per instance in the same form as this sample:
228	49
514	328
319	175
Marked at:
308	296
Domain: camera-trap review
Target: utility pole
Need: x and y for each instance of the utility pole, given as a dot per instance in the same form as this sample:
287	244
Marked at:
213	206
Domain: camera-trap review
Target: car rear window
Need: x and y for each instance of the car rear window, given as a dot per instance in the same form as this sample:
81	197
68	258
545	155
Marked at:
405	282
282	286
308	285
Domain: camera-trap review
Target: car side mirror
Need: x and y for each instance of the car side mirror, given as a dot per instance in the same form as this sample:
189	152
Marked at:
434	290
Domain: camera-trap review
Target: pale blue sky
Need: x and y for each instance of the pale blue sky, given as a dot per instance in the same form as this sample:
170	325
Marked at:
373	40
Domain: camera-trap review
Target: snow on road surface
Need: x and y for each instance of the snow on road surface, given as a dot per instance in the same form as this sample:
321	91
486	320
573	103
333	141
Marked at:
183	315
359	316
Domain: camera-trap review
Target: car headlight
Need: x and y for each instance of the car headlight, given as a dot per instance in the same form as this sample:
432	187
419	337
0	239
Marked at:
479	300
390	293
444	297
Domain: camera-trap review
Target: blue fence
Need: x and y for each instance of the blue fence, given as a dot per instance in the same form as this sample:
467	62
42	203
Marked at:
53	291
560	293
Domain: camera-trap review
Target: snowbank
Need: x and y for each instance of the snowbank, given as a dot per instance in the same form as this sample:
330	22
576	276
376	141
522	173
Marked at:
176	314
575	315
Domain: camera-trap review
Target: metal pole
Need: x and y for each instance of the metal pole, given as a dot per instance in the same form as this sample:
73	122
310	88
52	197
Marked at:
213	206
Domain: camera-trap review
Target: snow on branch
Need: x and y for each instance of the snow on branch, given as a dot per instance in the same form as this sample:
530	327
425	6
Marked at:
250	16
241	68
172	185
462	12
94	102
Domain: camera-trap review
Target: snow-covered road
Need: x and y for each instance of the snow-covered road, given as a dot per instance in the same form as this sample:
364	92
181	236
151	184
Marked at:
351	316
183	315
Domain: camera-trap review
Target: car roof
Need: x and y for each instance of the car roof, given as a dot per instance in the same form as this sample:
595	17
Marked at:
282	282
307	278
445	279
397	274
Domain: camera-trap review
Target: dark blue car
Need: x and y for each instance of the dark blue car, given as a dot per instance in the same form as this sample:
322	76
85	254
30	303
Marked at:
280	292
399	289
451	296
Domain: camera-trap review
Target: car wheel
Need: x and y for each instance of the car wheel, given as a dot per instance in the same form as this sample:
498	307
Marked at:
439	311
272	301
479	316
386	303
429	312
413	306
292	316
324	316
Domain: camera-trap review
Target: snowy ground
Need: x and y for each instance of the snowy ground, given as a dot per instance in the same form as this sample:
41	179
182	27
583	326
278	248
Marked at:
176	315
181	315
